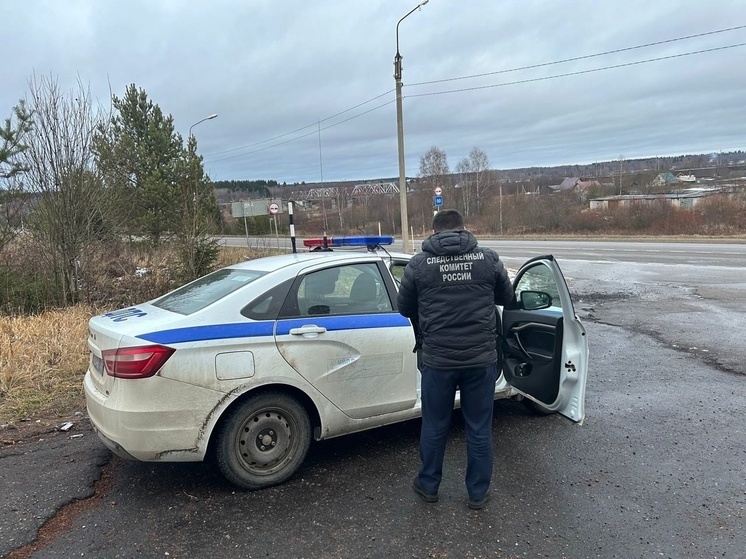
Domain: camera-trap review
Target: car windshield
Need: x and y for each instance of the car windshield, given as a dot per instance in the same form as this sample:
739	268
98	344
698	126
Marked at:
205	291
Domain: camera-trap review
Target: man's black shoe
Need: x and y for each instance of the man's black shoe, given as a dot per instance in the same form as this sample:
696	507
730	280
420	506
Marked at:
479	504
427	497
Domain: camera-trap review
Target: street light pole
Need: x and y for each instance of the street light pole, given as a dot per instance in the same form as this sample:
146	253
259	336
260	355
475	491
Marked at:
400	138
192	236
196	181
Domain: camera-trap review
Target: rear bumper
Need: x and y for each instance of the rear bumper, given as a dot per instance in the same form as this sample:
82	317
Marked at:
115	447
153	419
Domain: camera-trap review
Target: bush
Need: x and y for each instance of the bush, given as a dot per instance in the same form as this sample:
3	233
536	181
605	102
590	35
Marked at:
26	286
121	274
587	222
722	215
677	222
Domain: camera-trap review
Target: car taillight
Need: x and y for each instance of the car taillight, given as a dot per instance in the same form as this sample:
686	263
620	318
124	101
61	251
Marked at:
135	362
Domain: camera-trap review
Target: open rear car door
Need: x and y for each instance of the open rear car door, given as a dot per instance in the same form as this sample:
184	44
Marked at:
544	346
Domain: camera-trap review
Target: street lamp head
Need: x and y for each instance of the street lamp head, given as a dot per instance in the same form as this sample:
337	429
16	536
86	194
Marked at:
398	56
214	115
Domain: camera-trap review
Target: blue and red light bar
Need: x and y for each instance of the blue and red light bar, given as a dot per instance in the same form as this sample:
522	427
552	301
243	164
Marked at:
352	241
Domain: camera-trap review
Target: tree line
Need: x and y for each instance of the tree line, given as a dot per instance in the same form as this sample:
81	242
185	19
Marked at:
78	181
511	203
255	188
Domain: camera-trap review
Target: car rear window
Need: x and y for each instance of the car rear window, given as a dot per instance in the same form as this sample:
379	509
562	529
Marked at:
205	291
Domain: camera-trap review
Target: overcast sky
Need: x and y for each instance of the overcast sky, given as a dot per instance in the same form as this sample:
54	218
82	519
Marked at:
304	89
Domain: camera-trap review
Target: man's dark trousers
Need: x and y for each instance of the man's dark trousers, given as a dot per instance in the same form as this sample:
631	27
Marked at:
477	392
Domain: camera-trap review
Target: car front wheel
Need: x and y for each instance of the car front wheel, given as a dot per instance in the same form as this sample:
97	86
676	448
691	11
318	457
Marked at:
263	441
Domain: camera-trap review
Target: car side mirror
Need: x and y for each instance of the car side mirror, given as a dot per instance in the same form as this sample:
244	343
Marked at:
535	300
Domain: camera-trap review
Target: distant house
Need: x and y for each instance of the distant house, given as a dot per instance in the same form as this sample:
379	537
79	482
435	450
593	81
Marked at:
574	183
568	184
664	179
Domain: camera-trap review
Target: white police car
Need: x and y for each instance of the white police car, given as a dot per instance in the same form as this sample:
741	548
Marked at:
255	360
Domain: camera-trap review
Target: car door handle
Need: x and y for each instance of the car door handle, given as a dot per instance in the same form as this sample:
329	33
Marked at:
307	329
532	325
516	345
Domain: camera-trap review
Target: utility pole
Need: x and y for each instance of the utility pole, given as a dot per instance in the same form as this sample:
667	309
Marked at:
321	169
400	137
501	205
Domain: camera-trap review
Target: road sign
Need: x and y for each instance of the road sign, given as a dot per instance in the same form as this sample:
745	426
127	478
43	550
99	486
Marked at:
438	200
274	208
252	208
438	191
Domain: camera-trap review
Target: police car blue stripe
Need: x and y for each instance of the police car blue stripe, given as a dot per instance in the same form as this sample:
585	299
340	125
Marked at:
265	328
211	332
349	322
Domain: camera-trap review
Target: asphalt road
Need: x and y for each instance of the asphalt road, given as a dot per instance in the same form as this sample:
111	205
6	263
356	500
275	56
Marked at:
718	253
656	470
690	296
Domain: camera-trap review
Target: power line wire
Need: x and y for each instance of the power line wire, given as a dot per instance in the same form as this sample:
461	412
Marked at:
517	82
304	135
302	127
579	72
584	57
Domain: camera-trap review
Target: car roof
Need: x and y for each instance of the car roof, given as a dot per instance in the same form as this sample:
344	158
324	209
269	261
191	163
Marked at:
276	262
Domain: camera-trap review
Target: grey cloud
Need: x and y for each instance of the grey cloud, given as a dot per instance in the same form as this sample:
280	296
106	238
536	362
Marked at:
271	67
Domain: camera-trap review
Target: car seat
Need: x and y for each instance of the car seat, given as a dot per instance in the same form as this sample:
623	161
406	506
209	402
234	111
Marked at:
364	294
318	286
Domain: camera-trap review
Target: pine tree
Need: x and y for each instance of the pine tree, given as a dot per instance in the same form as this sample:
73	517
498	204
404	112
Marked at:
139	152
12	166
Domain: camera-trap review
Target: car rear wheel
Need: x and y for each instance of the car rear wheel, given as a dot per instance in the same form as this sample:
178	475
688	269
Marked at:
263	441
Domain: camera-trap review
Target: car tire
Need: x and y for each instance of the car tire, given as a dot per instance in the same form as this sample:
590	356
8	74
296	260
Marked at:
263	441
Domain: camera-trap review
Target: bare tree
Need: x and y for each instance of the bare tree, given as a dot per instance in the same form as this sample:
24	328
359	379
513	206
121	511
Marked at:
479	167
466	188
434	168
340	200
474	179
434	173
421	211
70	210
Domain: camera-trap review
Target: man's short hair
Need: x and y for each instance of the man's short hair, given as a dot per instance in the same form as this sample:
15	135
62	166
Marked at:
448	220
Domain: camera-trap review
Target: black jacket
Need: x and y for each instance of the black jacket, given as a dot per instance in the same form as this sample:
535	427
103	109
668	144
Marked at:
449	291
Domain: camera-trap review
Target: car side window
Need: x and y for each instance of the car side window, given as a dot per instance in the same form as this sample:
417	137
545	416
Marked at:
351	289
397	271
539	278
267	305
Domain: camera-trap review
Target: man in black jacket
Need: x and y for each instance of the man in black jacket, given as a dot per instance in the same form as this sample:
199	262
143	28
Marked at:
449	292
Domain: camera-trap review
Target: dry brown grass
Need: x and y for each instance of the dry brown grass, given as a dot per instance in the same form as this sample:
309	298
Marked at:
234	255
42	362
43	357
